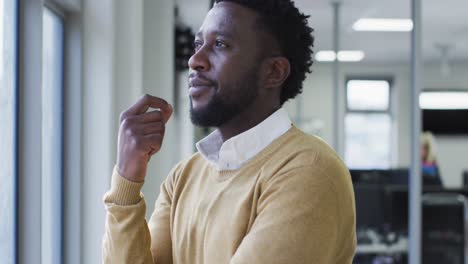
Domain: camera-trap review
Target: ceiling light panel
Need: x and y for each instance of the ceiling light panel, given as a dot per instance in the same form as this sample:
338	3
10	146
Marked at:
383	25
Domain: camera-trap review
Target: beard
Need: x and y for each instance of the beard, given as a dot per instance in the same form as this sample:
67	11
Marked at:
228	102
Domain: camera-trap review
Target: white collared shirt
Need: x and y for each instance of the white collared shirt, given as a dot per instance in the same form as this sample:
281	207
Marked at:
236	151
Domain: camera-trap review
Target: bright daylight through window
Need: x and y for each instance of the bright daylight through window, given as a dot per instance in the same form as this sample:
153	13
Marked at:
368	124
7	130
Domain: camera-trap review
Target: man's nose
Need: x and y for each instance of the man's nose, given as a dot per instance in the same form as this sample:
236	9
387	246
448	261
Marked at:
199	60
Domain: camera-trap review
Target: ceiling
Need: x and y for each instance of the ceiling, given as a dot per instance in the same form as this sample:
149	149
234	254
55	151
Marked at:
443	22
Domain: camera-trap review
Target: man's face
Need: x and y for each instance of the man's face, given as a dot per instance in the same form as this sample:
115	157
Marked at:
224	71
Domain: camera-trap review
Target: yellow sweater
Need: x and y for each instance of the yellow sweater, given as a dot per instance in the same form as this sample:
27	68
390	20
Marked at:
292	203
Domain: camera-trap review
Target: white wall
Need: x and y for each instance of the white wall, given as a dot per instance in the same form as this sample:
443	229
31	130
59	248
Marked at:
158	80
318	103
452	155
97	119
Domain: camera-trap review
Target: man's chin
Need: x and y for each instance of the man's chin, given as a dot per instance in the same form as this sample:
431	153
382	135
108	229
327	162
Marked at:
214	114
198	107
206	117
200	119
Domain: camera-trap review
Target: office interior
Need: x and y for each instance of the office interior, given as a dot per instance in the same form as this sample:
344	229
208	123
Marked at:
69	67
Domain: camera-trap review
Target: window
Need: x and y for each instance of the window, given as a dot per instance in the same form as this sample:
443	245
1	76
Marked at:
368	124
368	95
52	136
8	148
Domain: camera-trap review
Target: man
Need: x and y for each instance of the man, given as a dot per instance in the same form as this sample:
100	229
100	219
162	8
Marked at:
258	190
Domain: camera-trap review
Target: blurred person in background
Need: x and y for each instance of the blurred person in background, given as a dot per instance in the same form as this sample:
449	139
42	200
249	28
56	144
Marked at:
430	169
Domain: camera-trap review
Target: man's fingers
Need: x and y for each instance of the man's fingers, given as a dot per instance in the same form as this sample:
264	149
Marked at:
145	102
153	116
153	128
156	116
154	141
167	113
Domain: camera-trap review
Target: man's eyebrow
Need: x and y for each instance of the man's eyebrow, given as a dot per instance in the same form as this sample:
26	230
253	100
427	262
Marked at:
217	33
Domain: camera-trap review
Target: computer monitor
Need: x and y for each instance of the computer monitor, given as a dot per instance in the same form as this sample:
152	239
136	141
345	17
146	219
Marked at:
367	176
397	176
396	207
369	205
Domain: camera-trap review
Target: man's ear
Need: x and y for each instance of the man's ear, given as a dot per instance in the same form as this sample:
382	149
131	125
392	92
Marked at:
277	71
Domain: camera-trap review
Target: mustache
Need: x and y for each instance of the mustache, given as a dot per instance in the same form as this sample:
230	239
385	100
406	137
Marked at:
200	76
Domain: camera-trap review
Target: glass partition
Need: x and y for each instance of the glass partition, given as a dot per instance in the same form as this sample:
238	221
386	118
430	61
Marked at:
444	141
364	113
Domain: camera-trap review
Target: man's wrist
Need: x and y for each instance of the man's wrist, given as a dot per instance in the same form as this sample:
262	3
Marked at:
134	173
123	191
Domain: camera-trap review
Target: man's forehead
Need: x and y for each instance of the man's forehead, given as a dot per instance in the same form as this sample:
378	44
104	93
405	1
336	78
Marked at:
227	19
218	32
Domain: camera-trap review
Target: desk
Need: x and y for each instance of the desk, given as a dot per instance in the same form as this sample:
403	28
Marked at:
401	247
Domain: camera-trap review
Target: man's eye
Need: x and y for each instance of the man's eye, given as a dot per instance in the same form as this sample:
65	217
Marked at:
197	44
221	44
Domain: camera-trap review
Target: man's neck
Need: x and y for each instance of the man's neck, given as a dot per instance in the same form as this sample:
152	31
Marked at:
244	121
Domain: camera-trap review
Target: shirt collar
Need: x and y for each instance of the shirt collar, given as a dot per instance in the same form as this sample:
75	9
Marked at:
236	151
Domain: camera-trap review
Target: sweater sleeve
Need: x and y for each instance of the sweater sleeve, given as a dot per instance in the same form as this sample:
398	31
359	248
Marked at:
127	237
298	221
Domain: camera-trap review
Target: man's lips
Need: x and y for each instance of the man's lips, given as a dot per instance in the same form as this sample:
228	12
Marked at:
199	86
199	81
197	91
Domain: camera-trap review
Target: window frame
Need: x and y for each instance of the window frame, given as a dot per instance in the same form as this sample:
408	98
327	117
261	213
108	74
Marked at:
54	10
390	111
29	159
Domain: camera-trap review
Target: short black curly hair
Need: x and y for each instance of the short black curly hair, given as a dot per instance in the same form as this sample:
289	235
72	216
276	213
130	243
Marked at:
291	30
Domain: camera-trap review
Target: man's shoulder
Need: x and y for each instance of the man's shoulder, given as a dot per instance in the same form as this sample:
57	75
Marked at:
308	154
194	160
306	149
181	172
